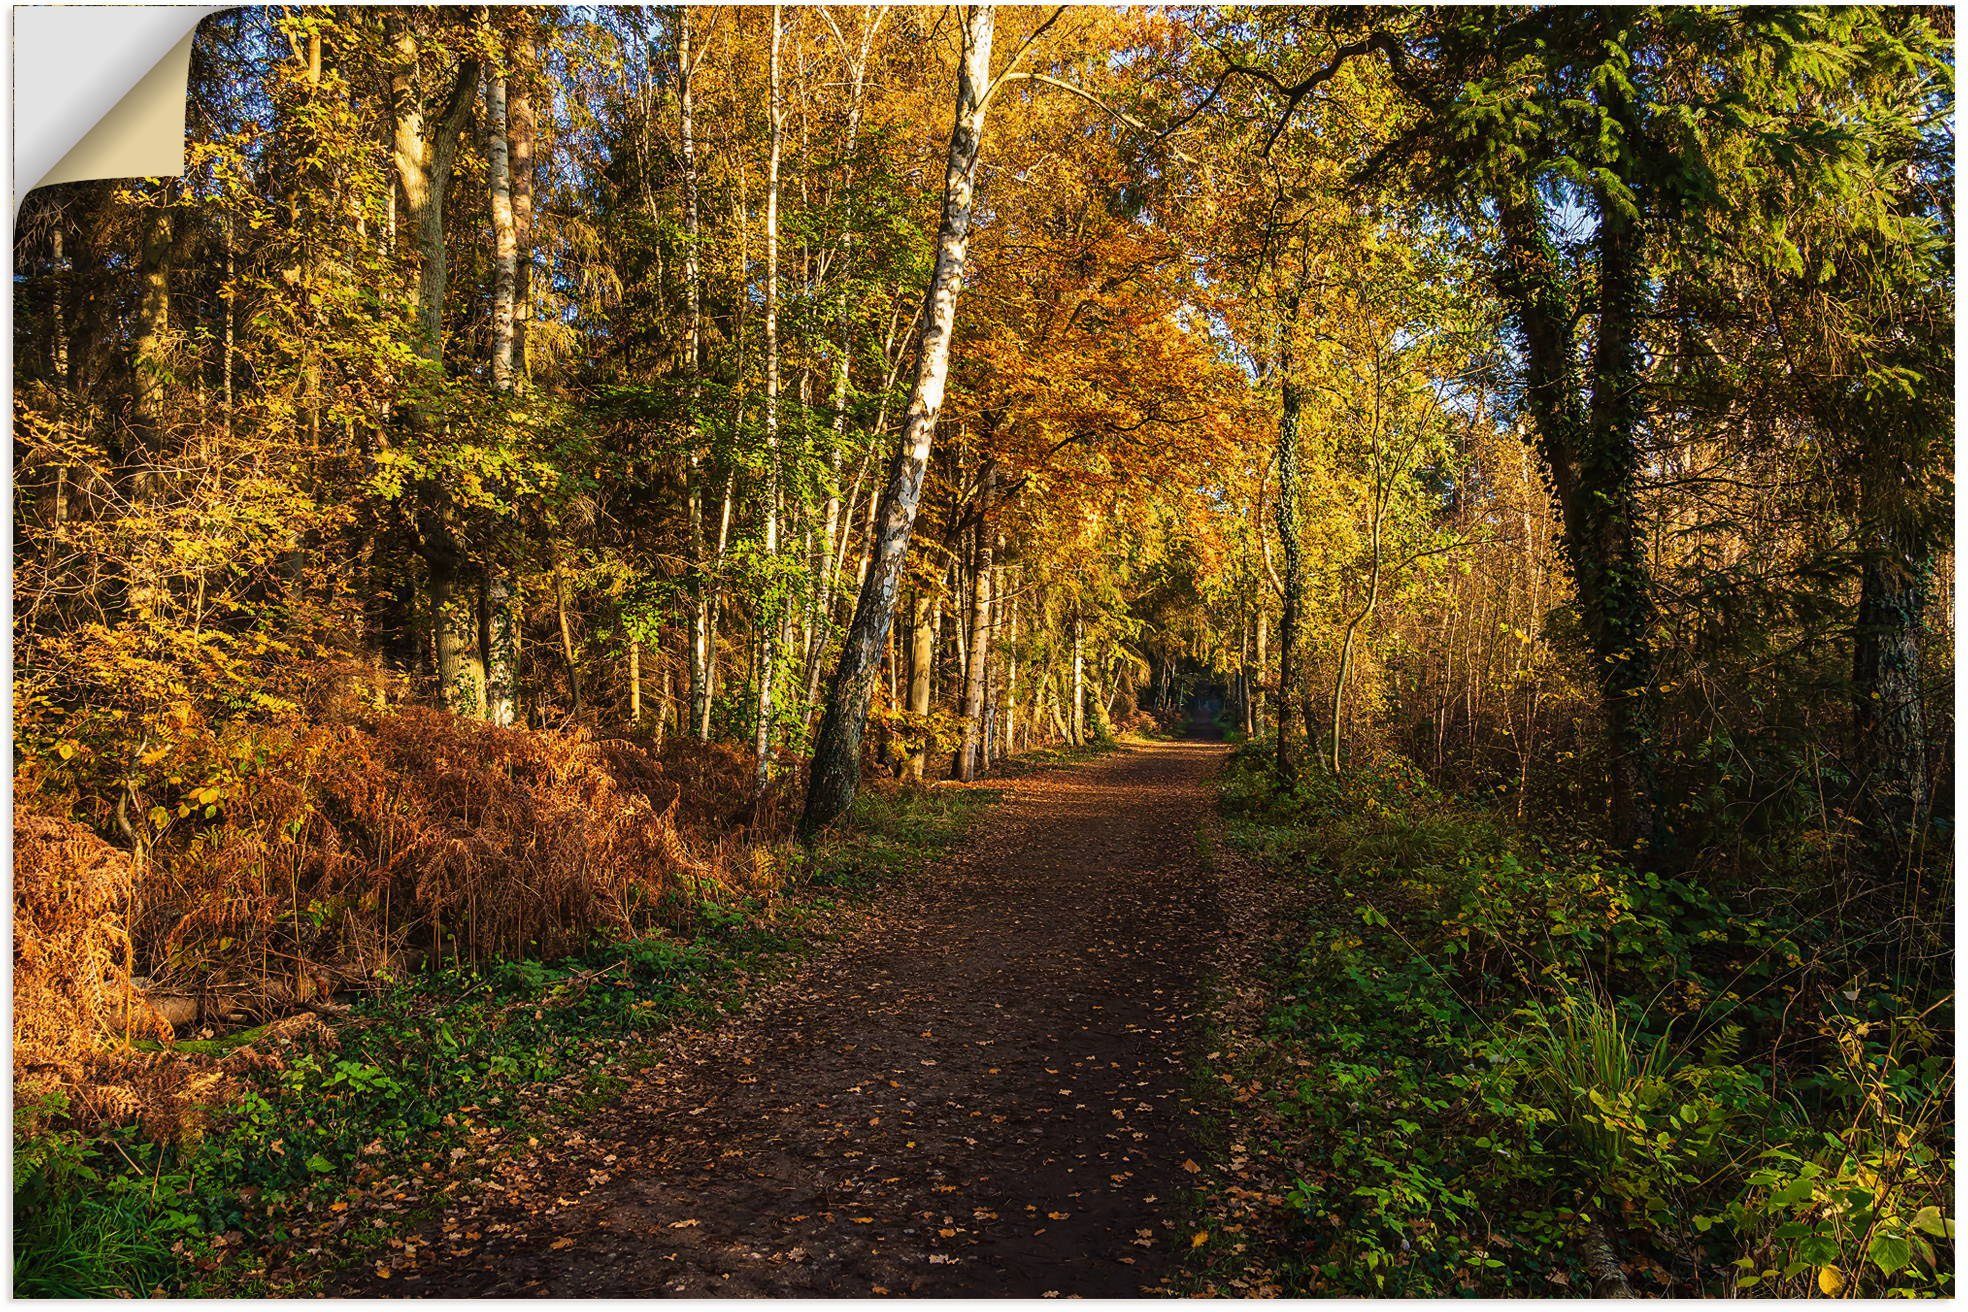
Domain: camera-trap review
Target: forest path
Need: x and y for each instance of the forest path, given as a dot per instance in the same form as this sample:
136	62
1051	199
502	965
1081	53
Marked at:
981	1089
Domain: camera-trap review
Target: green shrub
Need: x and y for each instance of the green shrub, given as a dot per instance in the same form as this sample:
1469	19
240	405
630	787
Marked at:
1488	1038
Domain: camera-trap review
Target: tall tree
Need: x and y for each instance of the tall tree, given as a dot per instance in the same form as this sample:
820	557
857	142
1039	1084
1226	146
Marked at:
501	600
836	770
431	107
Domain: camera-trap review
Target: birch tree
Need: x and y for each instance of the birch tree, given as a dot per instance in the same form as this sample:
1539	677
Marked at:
836	770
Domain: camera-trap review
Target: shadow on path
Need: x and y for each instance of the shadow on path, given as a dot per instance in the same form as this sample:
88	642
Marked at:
979	1091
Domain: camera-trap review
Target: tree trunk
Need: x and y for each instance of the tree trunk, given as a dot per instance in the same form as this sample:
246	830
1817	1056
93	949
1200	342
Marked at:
1010	747
501	600
502	623
423	161
970	757
1594	466
837	753
460	671
1353	624
693	284
1262	664
1078	721
1290	402
567	642
767	622
635	682
505	232
141	459
522	131
1887	717
922	655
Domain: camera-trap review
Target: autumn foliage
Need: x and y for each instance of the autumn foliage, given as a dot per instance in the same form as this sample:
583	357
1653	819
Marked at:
327	856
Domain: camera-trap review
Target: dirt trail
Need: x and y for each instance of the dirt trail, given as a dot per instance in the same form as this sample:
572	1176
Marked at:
980	1091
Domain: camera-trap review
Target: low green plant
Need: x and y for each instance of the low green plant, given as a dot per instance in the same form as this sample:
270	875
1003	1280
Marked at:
1489	1040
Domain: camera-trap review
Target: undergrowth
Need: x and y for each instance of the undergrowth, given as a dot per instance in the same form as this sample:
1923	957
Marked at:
1497	1062
428	1069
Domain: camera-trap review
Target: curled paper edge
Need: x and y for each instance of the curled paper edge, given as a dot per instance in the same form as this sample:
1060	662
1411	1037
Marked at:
143	133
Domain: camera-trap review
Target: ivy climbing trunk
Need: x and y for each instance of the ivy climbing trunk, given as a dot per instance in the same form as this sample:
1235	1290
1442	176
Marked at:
1593	462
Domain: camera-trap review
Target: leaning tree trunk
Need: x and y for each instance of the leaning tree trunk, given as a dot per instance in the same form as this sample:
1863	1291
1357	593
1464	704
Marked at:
837	753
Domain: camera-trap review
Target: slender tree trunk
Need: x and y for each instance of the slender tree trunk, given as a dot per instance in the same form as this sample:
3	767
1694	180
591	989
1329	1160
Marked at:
1011	678
1078	732
1262	665
635	681
522	132
501	597
711	608
1353	625
922	656
1290	402
567	641
970	756
837	754
502	650
505	232
693	284
768	619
